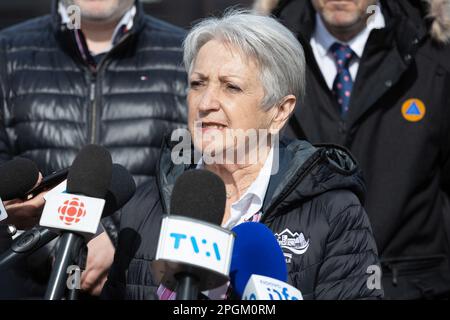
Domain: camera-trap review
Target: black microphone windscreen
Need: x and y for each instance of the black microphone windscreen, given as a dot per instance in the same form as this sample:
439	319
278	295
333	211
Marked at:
90	173
121	189
199	194
17	176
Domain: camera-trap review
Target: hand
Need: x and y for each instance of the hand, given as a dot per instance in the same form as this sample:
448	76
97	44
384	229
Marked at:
24	214
99	259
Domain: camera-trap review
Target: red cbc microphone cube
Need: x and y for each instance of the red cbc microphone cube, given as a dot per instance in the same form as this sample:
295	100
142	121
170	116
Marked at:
72	211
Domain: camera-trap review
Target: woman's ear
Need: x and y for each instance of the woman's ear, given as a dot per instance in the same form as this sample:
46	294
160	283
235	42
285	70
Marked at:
281	113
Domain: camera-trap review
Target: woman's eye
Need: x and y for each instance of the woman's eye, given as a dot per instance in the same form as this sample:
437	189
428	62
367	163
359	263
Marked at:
233	87
195	83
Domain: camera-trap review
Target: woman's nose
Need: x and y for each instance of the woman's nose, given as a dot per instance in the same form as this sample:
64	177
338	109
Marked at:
209	101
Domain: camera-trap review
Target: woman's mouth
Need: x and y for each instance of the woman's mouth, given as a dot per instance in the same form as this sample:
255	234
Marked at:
212	126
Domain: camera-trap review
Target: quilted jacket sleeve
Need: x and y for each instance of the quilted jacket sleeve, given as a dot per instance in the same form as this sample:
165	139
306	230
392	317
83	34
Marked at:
350	267
5	152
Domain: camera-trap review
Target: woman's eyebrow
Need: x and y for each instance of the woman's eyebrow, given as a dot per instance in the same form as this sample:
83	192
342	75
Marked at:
226	77
232	76
199	74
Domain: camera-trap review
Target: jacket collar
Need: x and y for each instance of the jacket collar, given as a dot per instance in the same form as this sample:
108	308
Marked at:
391	49
57	22
67	38
307	171
325	39
437	13
304	172
400	16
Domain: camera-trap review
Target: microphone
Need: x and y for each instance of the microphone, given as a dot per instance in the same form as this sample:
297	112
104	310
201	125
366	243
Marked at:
79	208
194	252
17	176
258	270
120	191
77	213
266	288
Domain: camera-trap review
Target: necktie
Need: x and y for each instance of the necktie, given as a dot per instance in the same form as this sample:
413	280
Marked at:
343	83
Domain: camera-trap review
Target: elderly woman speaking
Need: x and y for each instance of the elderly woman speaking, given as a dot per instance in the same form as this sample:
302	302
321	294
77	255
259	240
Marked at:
246	72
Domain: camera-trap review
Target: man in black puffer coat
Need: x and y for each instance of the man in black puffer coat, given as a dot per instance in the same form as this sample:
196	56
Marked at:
53	102
59	92
315	197
397	126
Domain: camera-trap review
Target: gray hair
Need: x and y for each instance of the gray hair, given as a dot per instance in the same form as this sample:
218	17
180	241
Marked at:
278	53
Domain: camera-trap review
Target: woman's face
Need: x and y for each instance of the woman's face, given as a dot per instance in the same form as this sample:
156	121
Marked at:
225	94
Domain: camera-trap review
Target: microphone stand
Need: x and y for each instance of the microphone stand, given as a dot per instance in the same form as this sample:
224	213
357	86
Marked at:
187	286
27	243
34	239
74	290
69	244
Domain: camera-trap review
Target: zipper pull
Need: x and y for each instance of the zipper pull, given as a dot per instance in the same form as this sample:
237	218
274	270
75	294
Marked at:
92	93
394	276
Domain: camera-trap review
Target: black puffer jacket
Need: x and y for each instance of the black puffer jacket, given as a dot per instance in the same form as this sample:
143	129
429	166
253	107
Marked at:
51	104
316	193
406	164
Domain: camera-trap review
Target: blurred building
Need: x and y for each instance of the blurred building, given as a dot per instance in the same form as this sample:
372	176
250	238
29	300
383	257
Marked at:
179	12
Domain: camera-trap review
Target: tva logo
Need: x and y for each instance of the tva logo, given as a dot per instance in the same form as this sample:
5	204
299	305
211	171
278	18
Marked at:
274	294
198	246
72	211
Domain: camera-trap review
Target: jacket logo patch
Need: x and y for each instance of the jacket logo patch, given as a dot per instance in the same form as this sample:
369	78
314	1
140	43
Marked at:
292	242
413	110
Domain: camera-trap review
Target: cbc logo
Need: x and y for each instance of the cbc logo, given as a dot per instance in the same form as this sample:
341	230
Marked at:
72	211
